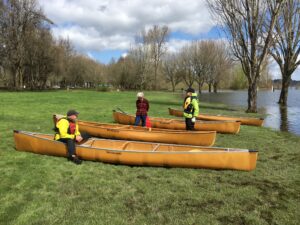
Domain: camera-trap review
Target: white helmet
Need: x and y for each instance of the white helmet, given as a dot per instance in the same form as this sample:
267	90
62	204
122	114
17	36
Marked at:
140	95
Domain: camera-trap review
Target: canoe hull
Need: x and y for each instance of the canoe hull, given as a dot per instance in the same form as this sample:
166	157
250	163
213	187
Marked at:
111	151
244	121
226	127
124	132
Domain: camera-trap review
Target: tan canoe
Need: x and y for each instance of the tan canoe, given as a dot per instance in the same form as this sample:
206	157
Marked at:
226	127
136	133
244	120
141	153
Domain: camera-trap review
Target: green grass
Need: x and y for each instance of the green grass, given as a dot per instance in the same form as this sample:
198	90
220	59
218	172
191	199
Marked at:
37	189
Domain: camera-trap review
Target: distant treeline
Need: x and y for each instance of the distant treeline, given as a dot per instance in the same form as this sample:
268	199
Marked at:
294	83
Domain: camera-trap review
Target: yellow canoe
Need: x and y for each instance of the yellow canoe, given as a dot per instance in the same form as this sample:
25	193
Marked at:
244	120
141	153
136	133
226	127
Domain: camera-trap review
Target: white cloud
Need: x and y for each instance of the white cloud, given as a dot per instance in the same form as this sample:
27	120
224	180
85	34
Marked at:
276	73
89	39
174	45
112	24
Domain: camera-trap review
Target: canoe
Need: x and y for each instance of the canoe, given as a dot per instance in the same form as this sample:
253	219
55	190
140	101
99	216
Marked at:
226	127
137	133
141	153
244	120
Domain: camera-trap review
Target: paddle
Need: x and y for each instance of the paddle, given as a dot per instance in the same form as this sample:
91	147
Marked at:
121	110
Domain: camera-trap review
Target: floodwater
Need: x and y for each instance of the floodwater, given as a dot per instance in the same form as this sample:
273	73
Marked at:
280	118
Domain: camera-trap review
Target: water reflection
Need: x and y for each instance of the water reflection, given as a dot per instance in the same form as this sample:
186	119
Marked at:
278	117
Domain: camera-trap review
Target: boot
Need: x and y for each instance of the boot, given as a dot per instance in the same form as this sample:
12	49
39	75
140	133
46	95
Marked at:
75	159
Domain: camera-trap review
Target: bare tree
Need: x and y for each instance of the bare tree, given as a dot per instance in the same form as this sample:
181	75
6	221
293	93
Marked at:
19	19
286	46
172	70
266	77
64	54
221	64
140	58
157	37
200	61
249	25
39	62
186	66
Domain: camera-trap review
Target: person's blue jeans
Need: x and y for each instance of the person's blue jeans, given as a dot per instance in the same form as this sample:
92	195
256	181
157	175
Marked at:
71	146
138	119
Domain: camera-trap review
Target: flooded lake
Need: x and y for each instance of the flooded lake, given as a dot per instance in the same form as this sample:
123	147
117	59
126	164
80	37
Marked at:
281	118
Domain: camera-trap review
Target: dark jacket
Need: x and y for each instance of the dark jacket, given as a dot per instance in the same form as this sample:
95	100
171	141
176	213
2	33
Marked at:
142	107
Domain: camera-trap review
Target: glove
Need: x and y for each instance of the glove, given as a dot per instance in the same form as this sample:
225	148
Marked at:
194	119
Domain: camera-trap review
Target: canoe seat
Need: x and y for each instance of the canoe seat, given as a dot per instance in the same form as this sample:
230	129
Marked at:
88	143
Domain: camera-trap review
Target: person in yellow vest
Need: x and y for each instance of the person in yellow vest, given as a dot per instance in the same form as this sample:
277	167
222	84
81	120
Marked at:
190	108
67	131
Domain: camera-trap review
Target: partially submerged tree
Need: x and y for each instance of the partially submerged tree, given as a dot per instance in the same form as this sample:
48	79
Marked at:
249	25
286	48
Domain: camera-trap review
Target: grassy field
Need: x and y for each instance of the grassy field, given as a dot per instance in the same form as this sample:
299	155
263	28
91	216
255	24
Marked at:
37	189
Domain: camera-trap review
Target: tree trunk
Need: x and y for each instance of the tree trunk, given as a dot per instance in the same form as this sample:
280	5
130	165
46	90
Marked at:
252	98
209	87
199	88
173	86
15	80
155	78
19	79
284	90
215	87
284	125
21	86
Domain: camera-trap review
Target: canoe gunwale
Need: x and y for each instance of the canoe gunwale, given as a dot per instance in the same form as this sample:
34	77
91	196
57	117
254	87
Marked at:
224	126
169	120
251	121
225	150
153	130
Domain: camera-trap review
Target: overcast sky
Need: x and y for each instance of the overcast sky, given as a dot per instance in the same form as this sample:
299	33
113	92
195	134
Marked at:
105	29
